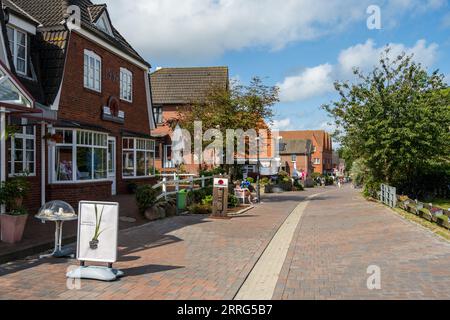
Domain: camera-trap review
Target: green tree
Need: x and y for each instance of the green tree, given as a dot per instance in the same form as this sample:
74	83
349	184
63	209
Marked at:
396	119
237	107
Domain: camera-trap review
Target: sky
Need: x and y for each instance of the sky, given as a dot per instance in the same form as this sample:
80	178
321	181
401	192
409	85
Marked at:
302	46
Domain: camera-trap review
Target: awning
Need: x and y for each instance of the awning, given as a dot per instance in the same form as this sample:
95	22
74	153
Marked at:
132	134
79	125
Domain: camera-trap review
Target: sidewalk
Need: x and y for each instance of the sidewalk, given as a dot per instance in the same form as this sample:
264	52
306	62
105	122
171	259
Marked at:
186	257
341	235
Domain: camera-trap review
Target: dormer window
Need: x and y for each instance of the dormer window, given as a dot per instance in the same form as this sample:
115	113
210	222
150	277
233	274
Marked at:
104	24
18	45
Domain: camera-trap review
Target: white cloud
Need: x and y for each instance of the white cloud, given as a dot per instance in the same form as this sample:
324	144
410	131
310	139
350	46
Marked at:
365	56
195	30
318	80
309	83
281	125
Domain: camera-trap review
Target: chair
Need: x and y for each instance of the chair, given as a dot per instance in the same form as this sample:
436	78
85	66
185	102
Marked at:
241	195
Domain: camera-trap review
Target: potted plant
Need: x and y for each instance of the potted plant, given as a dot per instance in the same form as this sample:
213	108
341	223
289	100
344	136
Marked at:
14	220
93	244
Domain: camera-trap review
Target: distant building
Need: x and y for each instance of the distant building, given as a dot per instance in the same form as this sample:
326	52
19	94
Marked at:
173	89
322	148
296	157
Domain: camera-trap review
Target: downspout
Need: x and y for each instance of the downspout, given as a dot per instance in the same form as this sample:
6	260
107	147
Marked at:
43	164
2	150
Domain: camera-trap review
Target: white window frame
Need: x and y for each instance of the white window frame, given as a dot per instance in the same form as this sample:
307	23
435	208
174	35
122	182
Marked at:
293	158
24	137
107	23
317	161
159	113
135	150
74	146
87	69
14	47
127	75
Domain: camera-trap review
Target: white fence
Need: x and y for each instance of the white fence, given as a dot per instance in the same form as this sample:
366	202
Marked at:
191	182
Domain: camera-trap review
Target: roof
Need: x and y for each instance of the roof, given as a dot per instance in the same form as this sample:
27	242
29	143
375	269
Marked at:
51	13
186	85
320	138
20	12
295	146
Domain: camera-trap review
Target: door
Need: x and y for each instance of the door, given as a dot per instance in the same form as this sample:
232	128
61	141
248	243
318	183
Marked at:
112	163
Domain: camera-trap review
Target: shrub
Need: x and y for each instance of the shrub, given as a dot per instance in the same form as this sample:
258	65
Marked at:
265	181
197	196
146	197
298	186
251	180
208	200
233	201
199	209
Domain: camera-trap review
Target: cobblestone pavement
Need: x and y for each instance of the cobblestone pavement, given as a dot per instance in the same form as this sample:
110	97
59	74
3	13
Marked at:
187	257
321	250
340	235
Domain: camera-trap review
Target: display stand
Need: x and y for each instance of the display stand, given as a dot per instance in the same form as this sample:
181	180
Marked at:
58	251
95	273
98	225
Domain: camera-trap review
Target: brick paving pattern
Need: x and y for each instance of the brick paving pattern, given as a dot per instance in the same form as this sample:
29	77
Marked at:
341	235
187	257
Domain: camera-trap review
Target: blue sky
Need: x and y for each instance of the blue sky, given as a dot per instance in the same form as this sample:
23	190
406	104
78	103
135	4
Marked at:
300	45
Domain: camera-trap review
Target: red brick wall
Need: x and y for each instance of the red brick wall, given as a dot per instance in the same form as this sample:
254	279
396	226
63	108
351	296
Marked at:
73	193
80	104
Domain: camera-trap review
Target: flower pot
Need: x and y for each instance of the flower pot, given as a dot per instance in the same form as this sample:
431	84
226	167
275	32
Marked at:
12	227
93	244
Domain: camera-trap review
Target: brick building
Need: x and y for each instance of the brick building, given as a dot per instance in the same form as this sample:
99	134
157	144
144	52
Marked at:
173	89
322	147
296	156
86	132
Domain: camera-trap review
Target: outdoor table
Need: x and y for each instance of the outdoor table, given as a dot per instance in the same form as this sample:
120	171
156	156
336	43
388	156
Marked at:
59	220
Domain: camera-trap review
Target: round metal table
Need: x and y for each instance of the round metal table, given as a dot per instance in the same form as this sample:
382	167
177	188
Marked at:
58	251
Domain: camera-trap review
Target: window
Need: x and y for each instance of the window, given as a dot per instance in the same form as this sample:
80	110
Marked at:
138	157
294	158
80	156
92	71
158	112
316	161
18	45
126	85
104	25
22	150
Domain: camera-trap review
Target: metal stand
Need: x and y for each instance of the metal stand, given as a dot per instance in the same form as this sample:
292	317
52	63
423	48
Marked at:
95	273
59	251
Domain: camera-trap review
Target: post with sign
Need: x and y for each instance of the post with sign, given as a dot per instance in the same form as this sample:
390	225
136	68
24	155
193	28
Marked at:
220	198
98	226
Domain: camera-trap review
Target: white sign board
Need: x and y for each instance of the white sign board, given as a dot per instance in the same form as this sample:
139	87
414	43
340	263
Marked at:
98	224
220	183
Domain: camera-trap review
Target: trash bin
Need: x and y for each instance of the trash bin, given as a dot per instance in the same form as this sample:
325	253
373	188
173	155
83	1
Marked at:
182	199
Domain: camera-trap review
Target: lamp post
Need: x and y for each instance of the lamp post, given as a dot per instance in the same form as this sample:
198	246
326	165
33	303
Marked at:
258	182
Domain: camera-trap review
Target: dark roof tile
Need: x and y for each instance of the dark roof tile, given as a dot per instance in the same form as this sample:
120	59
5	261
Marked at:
186	85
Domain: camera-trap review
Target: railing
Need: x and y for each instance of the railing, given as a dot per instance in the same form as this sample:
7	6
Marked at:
191	182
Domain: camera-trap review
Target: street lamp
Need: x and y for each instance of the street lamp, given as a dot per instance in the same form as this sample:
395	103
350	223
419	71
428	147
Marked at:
258	184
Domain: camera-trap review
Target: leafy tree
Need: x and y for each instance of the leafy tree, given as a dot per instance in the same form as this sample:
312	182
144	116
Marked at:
237	107
396	118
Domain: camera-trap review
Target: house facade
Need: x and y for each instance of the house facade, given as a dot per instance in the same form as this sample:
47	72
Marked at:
172	90
322	148
87	135
296	157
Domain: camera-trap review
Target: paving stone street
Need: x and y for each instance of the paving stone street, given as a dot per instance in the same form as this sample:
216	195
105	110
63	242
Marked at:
316	244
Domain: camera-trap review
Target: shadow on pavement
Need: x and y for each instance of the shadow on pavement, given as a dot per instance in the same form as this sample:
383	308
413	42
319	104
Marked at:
149	269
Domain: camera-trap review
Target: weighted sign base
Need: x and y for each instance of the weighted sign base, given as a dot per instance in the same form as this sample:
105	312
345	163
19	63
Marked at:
95	273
